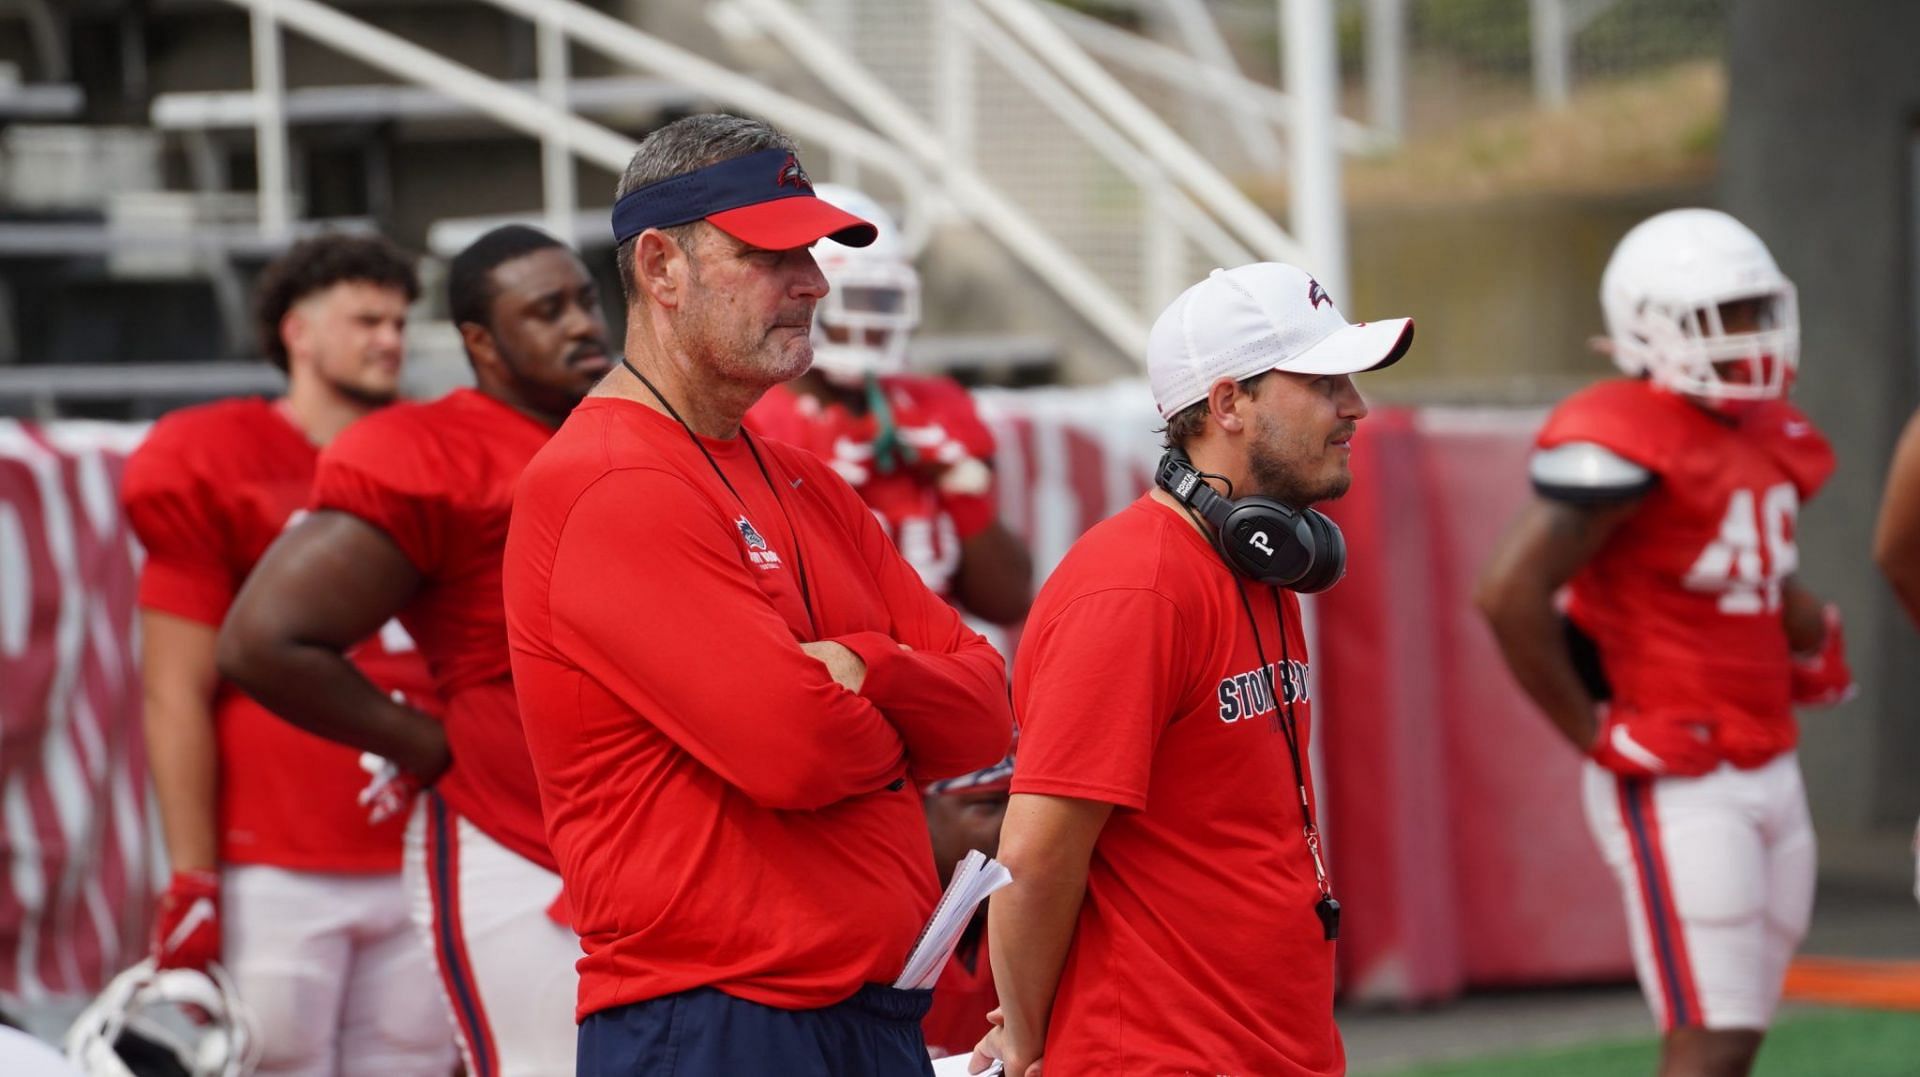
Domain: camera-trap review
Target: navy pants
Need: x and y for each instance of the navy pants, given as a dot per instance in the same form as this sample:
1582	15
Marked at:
704	1033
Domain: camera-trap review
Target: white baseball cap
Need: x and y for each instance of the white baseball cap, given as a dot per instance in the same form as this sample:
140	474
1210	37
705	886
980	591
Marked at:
1265	316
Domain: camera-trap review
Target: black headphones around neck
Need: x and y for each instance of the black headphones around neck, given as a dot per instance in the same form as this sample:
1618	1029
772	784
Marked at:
1258	537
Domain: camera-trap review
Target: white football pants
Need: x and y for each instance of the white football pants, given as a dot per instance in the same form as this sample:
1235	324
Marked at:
333	973
506	968
1717	873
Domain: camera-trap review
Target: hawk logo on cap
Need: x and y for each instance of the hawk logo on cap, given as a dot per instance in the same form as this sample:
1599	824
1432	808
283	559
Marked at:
1317	295
792	175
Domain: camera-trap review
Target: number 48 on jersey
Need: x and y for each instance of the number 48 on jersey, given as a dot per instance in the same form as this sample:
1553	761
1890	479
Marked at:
1754	552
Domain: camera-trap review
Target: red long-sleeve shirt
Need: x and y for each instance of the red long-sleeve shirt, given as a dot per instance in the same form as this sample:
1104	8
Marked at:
724	813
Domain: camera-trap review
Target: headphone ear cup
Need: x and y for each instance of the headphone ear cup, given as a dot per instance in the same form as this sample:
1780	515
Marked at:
1329	549
1265	541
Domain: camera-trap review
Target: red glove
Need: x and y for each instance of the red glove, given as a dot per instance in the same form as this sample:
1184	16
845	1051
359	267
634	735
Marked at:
1822	679
1635	744
186	923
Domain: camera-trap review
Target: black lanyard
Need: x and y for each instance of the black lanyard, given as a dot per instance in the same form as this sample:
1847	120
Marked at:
1327	909
793	534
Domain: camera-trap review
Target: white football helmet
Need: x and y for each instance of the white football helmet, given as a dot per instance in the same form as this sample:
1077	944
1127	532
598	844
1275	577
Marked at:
132	1002
1662	294
861	327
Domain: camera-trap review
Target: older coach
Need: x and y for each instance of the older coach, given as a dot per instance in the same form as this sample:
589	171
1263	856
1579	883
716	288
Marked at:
728	677
1170	910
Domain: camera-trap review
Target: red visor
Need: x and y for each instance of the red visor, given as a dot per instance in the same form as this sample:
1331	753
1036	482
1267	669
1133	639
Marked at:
763	198
784	223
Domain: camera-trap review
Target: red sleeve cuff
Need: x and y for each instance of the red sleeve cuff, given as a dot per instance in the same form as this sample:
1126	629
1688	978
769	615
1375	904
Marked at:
1079	790
183	592
885	663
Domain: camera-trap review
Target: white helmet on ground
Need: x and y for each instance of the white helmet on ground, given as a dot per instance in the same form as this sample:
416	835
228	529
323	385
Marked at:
1663	295
861	327
120	1034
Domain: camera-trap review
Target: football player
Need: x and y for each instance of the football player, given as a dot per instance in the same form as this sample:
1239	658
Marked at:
1667	506
912	446
276	872
410	520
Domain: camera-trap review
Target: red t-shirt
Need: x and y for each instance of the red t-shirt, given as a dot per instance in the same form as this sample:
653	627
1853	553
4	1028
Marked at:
723	812
207	491
962	998
438	480
935	420
1138	683
1683	602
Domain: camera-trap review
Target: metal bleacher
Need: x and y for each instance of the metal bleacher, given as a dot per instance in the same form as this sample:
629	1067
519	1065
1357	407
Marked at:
1059	203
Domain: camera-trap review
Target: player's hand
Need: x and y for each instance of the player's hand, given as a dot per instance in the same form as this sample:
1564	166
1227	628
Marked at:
848	670
186	922
390	790
1822	679
1636	744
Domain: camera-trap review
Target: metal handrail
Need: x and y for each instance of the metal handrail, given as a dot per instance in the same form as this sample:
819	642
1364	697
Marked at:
617	40
1190	198
1103	310
402	58
1228	88
1170	206
1214	191
538	115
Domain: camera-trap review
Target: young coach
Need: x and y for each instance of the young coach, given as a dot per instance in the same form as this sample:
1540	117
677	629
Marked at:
1170	911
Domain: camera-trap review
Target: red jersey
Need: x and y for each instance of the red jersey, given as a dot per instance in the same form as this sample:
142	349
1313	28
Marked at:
1683	602
438	480
962	998
1139	683
935	421
724	813
207	491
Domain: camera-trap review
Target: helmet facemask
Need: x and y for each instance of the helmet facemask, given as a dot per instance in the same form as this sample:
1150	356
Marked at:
1692	351
861	328
128	1031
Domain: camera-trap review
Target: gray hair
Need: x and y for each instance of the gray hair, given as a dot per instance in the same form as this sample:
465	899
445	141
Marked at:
683	146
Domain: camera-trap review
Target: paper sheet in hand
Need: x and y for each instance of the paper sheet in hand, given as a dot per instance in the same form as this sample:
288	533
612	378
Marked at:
956	1066
976	877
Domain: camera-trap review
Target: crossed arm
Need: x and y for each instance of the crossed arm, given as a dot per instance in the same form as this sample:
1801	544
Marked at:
722	673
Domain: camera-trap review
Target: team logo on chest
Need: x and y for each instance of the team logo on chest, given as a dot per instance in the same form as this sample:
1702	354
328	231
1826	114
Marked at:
757	549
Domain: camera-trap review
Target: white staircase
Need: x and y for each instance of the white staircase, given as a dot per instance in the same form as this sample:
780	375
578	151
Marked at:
990	115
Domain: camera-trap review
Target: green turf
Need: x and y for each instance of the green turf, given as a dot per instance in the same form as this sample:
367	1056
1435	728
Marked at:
1819	1043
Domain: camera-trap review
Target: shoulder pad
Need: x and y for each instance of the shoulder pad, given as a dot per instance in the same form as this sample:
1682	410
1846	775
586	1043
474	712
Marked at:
1586	472
1629	418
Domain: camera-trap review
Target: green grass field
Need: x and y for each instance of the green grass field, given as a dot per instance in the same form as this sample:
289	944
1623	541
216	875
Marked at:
1821	1043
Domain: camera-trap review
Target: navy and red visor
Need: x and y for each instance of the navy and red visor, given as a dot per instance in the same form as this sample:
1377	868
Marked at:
764	199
